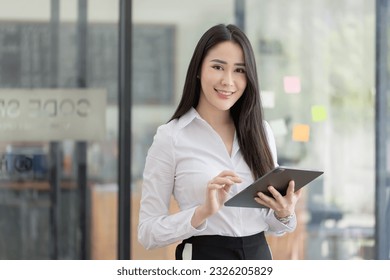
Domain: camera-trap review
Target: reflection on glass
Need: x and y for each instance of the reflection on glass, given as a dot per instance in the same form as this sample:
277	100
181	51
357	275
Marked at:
328	45
44	211
316	74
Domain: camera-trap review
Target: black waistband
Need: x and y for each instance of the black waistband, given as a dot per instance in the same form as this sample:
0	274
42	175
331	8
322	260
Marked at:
228	241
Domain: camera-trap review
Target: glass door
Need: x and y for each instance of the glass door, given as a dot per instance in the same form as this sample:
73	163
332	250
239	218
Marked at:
59	129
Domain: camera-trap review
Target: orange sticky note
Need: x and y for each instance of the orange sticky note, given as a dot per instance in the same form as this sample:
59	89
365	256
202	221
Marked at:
292	84
301	133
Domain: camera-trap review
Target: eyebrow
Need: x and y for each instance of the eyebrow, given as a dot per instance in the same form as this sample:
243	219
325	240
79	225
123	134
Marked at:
224	62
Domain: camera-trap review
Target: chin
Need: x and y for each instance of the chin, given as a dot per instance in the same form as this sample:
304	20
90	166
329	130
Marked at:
224	108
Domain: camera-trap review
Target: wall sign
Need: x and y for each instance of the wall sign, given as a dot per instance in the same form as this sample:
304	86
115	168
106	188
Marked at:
52	114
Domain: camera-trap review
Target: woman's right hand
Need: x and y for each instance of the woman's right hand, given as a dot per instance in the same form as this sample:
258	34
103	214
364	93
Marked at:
216	195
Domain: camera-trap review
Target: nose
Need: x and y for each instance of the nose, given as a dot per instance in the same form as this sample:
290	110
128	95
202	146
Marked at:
227	79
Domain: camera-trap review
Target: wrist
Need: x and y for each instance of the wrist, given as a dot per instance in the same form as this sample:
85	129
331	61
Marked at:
199	216
284	219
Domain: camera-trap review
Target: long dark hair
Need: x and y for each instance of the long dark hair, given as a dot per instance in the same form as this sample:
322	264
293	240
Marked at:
247	112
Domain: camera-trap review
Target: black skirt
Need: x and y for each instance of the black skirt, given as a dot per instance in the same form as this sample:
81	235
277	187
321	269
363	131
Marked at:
216	247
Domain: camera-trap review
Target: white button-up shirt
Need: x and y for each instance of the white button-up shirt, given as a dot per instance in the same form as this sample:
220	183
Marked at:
187	153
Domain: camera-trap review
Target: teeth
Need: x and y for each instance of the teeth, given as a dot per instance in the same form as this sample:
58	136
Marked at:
227	93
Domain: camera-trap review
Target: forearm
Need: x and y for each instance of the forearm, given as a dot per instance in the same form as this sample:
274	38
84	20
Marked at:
199	217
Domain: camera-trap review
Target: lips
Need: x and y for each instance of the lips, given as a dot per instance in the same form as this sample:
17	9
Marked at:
224	92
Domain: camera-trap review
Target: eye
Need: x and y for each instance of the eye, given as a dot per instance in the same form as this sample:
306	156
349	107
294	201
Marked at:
217	67
241	70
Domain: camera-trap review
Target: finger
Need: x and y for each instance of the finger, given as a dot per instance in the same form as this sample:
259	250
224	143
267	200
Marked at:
219	185
236	179
231	179
211	188
277	195
227	188
291	187
224	181
214	187
228	173
267	199
262	201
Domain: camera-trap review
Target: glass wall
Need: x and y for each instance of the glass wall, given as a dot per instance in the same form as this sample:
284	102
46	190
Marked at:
316	69
316	64
59	116
164	34
58	133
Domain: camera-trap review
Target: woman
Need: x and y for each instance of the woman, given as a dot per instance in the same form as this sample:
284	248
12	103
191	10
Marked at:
215	145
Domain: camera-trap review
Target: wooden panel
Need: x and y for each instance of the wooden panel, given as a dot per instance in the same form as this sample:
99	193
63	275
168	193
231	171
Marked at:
139	252
104	204
291	246
104	231
104	222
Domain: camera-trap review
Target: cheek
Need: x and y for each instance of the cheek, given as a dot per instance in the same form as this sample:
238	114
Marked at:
244	80
210	76
242	84
208	81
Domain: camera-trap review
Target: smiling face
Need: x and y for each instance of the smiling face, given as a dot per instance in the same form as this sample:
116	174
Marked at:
223	78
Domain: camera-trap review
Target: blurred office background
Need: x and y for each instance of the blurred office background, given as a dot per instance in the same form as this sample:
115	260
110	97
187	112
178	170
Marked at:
323	70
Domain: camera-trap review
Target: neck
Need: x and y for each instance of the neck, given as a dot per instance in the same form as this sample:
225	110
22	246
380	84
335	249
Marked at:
215	117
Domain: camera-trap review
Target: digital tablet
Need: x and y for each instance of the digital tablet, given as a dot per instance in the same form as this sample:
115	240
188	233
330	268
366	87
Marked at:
279	178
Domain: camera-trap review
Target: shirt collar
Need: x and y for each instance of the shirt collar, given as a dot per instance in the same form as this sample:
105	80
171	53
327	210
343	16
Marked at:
191	115
188	117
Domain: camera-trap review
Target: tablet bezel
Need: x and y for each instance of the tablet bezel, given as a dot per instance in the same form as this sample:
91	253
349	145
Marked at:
279	177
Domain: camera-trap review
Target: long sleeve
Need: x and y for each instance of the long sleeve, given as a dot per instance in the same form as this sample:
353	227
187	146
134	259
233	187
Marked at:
157	227
278	228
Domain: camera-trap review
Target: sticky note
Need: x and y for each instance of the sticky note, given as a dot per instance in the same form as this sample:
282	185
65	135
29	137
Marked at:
292	84
318	113
301	133
279	127
268	99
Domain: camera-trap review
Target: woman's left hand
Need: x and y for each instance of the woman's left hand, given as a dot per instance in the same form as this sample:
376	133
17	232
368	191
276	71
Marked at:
282	205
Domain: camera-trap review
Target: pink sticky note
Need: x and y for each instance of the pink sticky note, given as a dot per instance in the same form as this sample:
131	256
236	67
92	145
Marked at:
292	84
